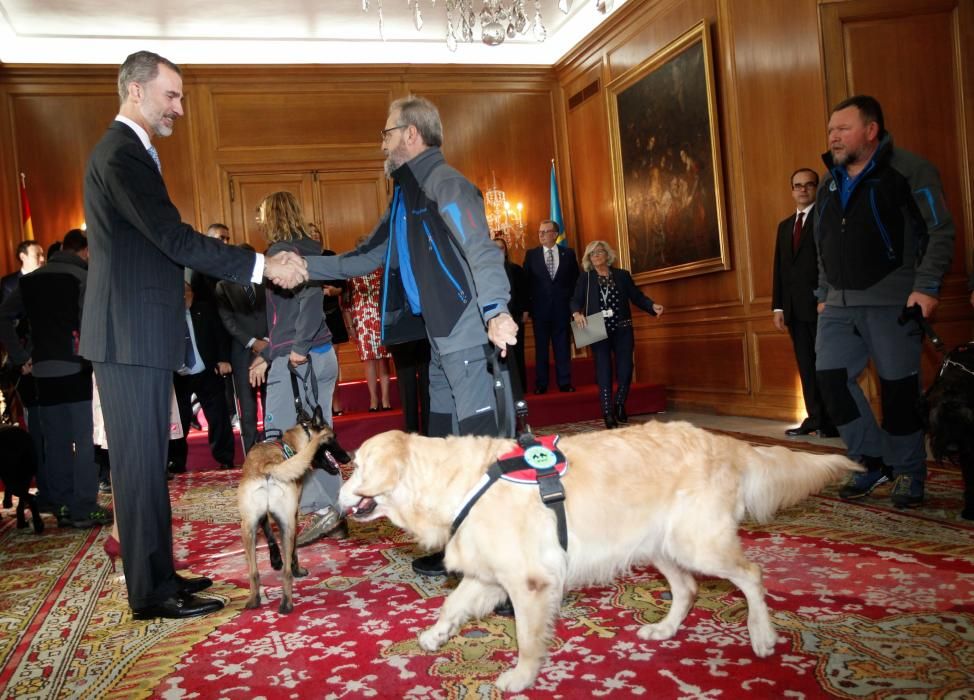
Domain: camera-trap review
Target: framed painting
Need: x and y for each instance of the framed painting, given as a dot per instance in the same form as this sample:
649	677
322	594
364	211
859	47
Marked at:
666	163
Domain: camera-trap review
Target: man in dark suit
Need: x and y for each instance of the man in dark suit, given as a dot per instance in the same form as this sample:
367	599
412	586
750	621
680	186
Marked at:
134	319
243	312
793	297
203	375
552	271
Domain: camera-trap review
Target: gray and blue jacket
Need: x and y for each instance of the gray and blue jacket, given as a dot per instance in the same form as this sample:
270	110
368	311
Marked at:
450	279
883	234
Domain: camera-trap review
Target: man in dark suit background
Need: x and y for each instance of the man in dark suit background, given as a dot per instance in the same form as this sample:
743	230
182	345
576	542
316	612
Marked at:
243	313
793	297
552	271
134	320
204	377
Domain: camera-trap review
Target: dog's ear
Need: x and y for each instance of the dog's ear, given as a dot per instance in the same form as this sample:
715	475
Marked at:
318	419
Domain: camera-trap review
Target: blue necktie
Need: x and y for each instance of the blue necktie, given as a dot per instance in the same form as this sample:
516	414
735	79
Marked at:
155	156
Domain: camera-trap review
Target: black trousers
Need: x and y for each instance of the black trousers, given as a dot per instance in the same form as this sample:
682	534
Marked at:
208	387
803	341
240	358
619	345
552	330
135	405
412	362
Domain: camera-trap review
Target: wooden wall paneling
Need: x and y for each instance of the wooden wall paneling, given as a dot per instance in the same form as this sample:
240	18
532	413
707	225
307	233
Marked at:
349	205
10	219
697	359
54	134
780	100
588	148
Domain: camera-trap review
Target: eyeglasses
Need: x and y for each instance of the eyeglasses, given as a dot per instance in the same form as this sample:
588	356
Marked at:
385	132
804	186
597	251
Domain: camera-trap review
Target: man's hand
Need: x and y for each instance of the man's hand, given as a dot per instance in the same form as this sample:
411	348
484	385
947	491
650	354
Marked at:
258	346
821	307
331	291
927	303
286	269
258	371
779	320
27	368
296	358
223	368
658	308
502	331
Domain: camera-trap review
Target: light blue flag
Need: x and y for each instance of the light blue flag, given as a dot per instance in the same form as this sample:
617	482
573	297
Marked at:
555	213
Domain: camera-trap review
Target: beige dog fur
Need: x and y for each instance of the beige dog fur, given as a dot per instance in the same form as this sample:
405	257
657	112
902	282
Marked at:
666	494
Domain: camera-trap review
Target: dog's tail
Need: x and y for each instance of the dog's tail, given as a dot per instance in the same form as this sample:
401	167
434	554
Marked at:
776	477
293	468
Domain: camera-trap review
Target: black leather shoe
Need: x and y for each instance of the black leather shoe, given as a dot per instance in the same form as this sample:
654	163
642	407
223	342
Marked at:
540	390
177	607
621	415
829	432
228	465
566	388
189	586
610	421
505	608
173	468
806	428
430	565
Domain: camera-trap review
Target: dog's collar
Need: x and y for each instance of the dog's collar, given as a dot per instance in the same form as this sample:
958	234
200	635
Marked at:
533	461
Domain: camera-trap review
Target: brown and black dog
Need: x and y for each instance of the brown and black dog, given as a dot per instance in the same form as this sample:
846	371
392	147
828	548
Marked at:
270	487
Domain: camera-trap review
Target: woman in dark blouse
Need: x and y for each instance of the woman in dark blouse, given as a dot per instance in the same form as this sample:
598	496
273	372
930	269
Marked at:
610	290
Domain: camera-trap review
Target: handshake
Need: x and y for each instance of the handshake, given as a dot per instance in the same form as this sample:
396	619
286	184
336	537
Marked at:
286	269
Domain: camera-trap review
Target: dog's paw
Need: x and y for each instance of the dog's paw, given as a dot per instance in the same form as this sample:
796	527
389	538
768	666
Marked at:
431	640
299	572
763	641
277	563
515	680
657	631
285	607
253	602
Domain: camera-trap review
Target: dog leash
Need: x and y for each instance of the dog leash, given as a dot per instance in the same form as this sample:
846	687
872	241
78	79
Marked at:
915	313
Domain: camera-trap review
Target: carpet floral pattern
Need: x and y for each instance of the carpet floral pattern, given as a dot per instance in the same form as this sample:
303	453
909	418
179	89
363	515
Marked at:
868	602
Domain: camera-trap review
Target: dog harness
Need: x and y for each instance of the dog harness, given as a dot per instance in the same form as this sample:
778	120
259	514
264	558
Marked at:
282	446
533	461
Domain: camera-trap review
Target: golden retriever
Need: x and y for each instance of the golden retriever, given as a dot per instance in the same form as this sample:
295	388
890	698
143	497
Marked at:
270	486
668	494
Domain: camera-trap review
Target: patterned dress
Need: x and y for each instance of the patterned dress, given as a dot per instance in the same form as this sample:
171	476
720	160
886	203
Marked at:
364	305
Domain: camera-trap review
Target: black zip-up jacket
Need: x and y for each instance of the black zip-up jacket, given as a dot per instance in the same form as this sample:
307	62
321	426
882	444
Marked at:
51	297
893	237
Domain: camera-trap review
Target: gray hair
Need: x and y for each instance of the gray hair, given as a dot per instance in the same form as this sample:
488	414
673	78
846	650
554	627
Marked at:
141	67
591	247
421	113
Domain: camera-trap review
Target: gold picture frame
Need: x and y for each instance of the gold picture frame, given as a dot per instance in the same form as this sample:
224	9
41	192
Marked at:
666	165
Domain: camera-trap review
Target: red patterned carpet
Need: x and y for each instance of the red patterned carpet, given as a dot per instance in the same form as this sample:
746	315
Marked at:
869	602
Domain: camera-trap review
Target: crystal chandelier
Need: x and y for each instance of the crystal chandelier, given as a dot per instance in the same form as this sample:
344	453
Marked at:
504	221
499	19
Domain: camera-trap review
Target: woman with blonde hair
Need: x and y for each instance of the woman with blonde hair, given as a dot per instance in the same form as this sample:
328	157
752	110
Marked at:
300	345
609	290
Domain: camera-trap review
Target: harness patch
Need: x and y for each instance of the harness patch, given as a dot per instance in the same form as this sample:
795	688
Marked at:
535	457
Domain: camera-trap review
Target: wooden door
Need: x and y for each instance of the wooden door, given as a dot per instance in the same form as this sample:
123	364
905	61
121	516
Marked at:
912	56
247	190
349	204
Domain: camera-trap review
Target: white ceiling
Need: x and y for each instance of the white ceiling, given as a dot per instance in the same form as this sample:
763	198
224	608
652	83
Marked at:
282	31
